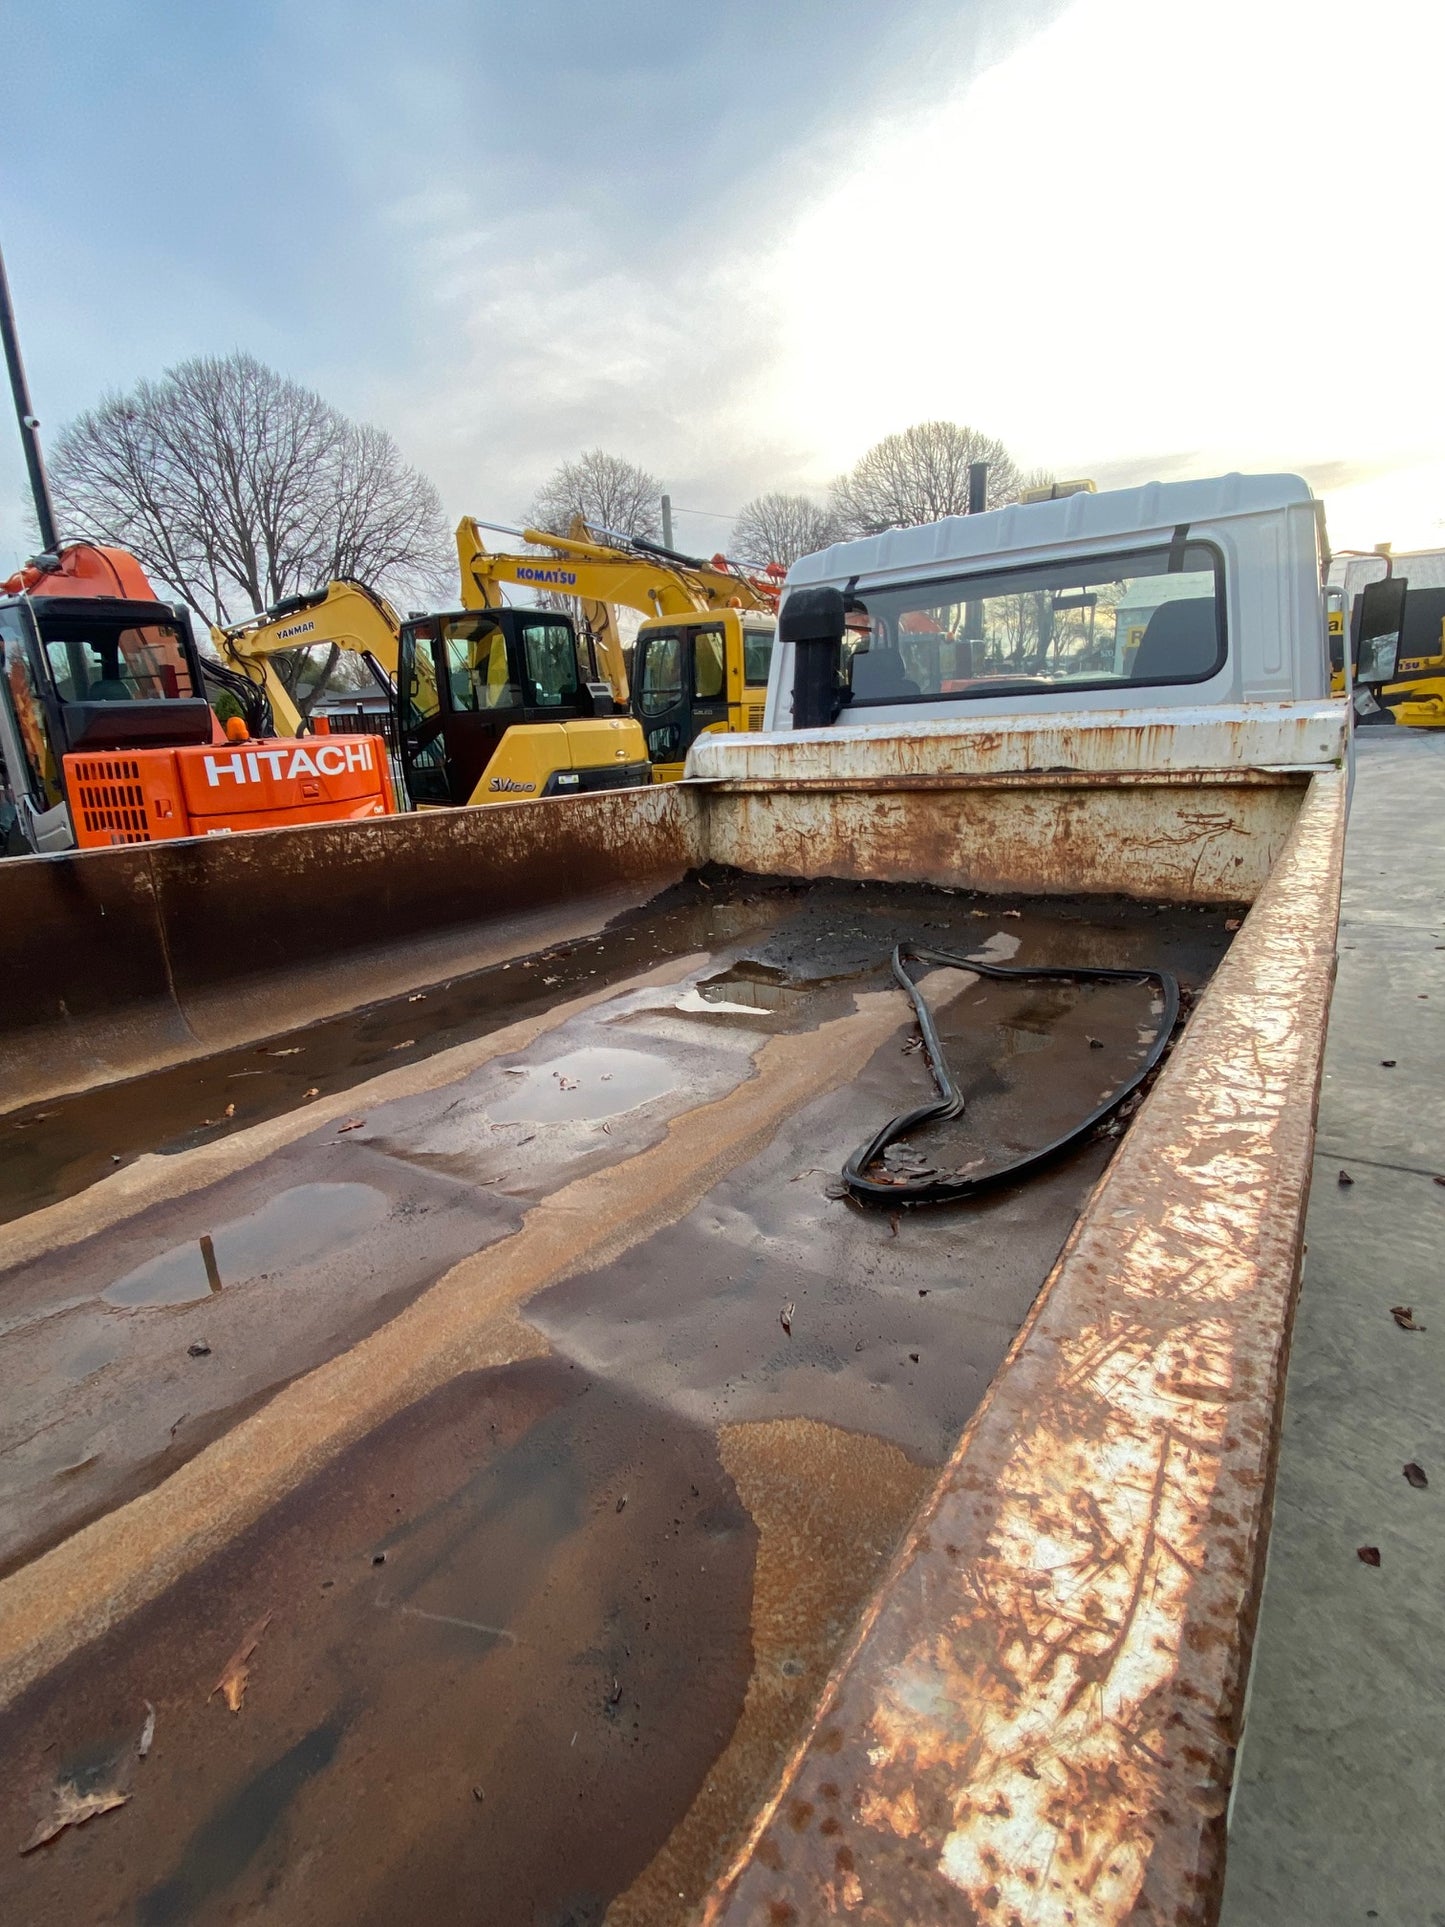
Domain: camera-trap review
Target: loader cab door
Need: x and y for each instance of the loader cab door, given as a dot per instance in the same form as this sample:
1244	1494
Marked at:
466	678
679	681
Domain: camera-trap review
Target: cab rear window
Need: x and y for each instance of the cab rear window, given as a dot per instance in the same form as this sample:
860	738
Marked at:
1150	617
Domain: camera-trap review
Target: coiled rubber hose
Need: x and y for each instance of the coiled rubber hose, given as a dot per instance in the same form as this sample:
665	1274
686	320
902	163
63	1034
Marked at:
937	1188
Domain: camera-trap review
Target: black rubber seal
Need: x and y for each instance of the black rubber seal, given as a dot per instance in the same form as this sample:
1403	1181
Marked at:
950	1103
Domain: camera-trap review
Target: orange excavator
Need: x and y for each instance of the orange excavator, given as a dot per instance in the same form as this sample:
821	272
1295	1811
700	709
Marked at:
106	733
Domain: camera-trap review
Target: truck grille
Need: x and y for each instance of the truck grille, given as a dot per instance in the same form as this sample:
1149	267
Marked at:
109	799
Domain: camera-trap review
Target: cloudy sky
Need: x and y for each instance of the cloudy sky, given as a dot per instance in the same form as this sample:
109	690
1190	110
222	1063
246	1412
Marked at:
738	242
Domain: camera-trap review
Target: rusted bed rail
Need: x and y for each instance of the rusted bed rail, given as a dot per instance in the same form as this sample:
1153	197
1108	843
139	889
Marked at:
1036	1722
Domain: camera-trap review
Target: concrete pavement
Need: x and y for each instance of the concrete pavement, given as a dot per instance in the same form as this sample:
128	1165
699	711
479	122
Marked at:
1339	1807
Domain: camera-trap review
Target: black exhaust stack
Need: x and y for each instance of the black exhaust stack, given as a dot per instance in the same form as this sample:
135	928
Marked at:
977	487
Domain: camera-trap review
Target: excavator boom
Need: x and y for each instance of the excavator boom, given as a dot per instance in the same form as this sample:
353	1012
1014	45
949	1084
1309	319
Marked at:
620	573
346	615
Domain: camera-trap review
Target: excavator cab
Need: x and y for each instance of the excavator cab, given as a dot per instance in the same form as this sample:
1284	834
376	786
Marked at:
88	674
696	673
468	678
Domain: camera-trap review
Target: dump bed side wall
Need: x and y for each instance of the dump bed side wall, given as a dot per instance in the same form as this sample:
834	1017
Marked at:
1188	806
118	961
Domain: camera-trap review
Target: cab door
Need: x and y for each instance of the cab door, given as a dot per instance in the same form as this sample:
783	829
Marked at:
680	689
459	692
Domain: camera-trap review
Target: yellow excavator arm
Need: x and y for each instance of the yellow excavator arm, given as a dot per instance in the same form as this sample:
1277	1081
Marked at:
344	615
602	576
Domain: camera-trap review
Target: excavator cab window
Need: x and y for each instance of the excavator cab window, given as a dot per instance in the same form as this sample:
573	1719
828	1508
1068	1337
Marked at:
757	657
681	687
35	773
478	673
660	681
93	660
551	652
707	665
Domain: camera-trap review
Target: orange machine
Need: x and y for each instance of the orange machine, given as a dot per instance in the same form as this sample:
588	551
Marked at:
106	735
147	795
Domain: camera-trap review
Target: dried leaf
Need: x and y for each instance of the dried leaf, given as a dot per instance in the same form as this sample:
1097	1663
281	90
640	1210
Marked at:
198	1351
835	1188
230	1111
1345	1178
313	1092
1404	1317
291	1050
1387	1063
147	1732
1013	913
1368	1555
1416	1475
405	1044
785	1317
351	1124
72	1809
1233	923
237	1671
417	997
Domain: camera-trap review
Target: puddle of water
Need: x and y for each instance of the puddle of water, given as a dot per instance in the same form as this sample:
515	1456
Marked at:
295	1228
745	989
594	1082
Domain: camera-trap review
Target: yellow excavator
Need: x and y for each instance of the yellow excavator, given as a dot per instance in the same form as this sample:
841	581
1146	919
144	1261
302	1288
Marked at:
1416	698
487	703
702	653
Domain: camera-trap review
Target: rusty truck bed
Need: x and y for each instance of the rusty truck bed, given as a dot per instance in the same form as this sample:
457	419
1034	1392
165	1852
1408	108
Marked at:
588	1512
700	1397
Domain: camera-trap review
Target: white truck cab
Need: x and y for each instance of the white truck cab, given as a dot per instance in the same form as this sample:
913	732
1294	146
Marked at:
1189	595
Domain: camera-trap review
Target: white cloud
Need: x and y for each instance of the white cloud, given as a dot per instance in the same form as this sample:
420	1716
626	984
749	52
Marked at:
1152	227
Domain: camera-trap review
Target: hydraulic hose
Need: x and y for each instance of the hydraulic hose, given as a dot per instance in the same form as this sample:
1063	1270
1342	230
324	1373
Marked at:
937	1187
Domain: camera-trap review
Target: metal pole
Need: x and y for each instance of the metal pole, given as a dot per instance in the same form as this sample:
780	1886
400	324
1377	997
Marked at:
667	521
977	487
25	415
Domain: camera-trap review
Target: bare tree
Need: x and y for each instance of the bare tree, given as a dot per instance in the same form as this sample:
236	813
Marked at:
235	486
780	528
921	475
603	489
1035	478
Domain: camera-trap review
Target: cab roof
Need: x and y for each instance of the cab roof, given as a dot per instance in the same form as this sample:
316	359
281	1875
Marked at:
1156	509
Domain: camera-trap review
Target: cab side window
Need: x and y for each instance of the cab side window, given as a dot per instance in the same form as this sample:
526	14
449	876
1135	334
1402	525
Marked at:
475	664
551	652
707	664
661	672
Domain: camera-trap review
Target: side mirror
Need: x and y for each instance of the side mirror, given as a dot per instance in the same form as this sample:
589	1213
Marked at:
1379	618
812	620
